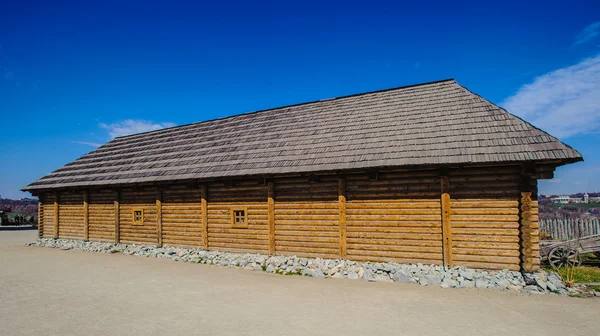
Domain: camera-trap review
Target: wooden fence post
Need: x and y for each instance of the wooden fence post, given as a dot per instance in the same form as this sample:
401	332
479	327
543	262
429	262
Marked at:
204	201
86	219
342	211
446	225
271	208
56	198
159	216
117	216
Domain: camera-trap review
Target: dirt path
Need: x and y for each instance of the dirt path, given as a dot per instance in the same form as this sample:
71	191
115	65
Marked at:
55	292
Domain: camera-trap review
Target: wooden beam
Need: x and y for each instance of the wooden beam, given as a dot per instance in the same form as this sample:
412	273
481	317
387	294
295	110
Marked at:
159	230
117	216
204	204
86	219
342	209
446	225
40	217
525	232
56	195
271	208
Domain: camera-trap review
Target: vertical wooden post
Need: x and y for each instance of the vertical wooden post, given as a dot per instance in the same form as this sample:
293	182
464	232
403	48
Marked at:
271	208
204	201
117	216
446	225
40	219
159	217
342	209
56	195
86	219
526	232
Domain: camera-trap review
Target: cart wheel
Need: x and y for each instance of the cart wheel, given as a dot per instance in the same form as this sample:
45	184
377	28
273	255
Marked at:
561	256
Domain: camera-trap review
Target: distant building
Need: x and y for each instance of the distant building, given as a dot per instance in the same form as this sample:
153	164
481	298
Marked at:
564	199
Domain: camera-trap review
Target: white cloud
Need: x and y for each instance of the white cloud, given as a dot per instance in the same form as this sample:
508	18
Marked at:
563	102
588	33
131	126
93	144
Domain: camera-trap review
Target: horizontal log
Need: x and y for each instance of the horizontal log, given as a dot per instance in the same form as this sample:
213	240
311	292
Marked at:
302	223
486	252
483	204
329	233
308	244
302	239
485	224
397	223
350	217
315	251
394	230
220	246
487	211
312	227
494	218
500	239
395	248
485	231
239	241
299	206
414	257
306	211
254	225
233	237
490	259
185	226
396	205
383	240
317	218
390	212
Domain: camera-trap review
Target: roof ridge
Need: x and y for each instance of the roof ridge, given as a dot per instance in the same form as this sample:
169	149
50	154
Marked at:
290	105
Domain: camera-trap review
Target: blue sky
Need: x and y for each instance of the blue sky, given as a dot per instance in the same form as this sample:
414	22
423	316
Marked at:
73	75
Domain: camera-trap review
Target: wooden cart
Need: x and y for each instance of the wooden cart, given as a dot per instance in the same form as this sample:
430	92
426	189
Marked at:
569	252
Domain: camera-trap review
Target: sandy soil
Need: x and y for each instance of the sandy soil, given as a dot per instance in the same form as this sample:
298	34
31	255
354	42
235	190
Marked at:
54	292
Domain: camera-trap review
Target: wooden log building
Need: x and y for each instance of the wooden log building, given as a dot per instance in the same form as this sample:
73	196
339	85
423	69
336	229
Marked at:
429	173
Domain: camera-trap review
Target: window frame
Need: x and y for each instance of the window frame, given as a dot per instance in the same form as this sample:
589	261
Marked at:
233	217
133	220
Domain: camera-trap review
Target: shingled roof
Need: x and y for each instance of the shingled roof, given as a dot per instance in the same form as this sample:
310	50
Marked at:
438	123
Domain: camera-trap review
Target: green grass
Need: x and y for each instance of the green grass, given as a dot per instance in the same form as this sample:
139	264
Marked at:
576	205
582	274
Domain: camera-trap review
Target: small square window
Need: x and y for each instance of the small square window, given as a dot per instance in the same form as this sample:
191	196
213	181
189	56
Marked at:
138	217
239	218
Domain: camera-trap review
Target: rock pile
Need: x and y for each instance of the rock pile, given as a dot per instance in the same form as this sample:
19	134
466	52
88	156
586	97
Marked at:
425	275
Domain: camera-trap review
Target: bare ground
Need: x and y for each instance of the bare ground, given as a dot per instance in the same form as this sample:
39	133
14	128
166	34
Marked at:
54	292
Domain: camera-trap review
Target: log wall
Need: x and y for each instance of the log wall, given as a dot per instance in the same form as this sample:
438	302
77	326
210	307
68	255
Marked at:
485	217
181	216
101	215
144	199
48	217
70	215
250	194
472	217
394	217
307	217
